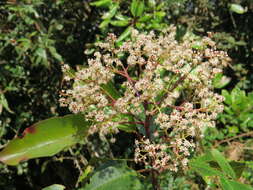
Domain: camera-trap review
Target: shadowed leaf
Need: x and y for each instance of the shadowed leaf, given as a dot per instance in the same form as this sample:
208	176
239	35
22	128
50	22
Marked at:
114	176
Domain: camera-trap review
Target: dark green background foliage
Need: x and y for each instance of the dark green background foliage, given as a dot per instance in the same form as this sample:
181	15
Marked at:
36	37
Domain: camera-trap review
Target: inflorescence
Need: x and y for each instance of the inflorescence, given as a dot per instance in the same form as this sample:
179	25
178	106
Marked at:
165	86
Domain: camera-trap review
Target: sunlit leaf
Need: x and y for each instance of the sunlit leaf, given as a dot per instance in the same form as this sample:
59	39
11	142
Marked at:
101	3
237	8
220	81
45	138
119	23
4	103
112	12
41	53
125	34
54	187
85	173
137	7
225	184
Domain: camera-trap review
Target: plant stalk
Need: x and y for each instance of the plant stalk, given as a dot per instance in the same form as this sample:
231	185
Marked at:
154	175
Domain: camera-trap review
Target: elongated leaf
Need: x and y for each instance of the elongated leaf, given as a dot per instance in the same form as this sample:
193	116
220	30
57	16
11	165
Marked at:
120	23
225	184
238	167
4	103
233	185
114	176
133	7
204	169
140	8
220	81
101	3
125	34
104	24
239	186
112	12
122	17
41	53
126	124
145	18
54	187
55	54
237	8
207	157
223	163
45	138
111	90
137	7
85	173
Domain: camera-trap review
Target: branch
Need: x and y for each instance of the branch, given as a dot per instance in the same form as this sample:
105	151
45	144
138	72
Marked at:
232	138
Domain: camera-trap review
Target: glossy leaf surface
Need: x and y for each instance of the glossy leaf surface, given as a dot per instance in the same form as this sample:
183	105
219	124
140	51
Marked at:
237	8
54	187
45	138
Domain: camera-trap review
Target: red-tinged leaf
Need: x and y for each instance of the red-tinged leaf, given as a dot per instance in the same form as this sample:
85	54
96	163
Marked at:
45	138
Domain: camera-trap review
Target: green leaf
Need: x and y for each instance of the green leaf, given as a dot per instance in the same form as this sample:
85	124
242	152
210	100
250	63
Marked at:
233	185
151	3
122	17
85	173
204	169
120	23
220	80
104	23
110	90
238	167
42	53
145	18
228	99
239	186
133	7
137	8
24	44
54	187
101	3
4	103
139	25
45	138
54	53
198	45
114	176
225	184
223	163
112	12
125	34
207	157
59	26
127	127
237	8
160	14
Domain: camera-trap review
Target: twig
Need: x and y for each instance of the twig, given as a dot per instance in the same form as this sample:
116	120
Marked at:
147	120
235	137
155	183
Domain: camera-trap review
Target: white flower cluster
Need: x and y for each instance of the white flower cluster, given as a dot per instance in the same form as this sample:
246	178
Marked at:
167	81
